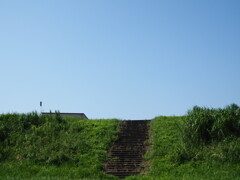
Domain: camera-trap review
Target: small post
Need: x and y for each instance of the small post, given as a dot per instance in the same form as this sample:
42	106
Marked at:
41	105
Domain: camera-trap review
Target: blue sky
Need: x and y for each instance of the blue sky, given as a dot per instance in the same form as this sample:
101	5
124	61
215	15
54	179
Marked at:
128	59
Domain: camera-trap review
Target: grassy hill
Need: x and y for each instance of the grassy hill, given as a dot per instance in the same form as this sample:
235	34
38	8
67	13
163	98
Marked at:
204	144
44	147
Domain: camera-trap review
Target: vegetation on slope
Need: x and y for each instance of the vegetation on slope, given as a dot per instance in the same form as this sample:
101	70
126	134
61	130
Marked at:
204	144
211	134
33	145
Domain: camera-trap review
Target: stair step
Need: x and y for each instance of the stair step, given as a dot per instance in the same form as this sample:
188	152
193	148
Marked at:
126	155
121	154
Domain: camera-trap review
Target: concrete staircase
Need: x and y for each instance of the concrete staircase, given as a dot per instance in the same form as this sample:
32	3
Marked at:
126	155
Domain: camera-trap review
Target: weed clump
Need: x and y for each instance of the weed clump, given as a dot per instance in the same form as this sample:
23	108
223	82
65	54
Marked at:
206	131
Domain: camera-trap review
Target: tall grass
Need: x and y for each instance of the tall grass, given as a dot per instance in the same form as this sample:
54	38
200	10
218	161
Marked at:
215	128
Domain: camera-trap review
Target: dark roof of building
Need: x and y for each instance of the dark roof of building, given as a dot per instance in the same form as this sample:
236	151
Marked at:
68	114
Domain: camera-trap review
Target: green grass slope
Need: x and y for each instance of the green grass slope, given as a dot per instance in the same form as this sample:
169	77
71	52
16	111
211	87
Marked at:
205	144
44	147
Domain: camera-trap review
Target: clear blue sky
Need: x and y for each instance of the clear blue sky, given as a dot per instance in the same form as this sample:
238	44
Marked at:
128	59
